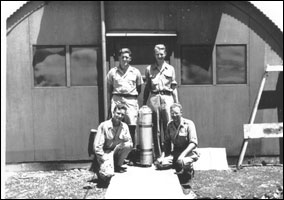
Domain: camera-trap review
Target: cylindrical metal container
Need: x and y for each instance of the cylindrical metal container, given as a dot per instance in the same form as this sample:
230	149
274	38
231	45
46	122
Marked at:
145	136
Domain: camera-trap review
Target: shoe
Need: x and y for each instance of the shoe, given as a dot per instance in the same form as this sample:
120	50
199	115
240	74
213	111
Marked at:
126	161
103	184
179	172
131	163
186	189
119	169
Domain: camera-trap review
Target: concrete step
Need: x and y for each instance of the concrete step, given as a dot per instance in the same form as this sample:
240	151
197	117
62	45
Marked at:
145	183
211	159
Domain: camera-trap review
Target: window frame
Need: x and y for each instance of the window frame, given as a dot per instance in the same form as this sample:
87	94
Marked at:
212	64
33	71
245	62
67	49
98	63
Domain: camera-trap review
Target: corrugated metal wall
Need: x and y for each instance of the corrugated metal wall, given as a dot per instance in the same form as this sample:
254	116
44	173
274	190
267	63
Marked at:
53	123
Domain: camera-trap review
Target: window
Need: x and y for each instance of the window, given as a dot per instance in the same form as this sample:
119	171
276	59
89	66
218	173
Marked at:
231	64
51	69
83	66
49	66
196	64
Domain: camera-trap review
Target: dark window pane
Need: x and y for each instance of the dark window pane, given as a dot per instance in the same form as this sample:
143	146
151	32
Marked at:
49	66
142	49
196	65
84	66
231	64
142	56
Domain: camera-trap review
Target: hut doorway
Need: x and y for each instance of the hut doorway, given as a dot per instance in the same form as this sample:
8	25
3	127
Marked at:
142	48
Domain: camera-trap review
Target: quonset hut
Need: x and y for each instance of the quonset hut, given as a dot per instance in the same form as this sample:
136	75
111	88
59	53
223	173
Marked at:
58	54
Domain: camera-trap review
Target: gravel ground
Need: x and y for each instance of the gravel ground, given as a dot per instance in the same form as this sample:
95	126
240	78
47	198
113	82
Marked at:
259	182
253	182
67	184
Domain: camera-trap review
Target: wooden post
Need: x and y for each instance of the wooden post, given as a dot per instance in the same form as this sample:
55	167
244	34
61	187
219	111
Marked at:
252	118
242	154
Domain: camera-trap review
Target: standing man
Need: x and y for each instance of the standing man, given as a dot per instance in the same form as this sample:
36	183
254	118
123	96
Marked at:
124	85
112	144
161	90
181	133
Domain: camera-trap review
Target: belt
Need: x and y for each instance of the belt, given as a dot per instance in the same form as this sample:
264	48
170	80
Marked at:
179	149
164	92
127	95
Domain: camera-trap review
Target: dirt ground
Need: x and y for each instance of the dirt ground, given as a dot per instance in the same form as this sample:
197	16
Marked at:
265	182
259	182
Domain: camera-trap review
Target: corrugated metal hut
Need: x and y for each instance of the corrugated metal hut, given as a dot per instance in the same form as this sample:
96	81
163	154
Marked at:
58	53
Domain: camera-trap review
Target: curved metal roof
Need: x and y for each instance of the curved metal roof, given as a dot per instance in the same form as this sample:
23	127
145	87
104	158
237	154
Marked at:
265	22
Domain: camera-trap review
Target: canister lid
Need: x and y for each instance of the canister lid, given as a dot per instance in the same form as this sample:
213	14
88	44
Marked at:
145	109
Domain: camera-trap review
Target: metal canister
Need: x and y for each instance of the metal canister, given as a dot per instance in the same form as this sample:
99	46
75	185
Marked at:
145	136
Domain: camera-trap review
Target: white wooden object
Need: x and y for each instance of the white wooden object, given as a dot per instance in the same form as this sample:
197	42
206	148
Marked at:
265	130
269	68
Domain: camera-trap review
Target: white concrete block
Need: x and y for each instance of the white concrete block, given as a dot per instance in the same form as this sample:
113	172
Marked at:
211	159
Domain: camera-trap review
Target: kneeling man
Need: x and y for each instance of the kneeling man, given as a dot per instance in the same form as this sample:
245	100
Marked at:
181	133
112	144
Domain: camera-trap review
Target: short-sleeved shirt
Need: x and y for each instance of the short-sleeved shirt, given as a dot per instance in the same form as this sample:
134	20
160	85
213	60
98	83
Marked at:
161	79
181	136
124	83
106	138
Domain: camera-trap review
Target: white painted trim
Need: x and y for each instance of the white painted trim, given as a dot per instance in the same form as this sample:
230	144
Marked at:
264	130
141	34
274	68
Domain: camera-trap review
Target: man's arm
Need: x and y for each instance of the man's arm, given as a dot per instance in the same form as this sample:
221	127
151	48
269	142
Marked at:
188	149
147	88
128	138
174	87
109	89
146	93
139	82
192	138
138	88
99	142
175	95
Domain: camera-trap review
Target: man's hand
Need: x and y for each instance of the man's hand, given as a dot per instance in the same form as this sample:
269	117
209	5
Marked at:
180	164
180	158
164	163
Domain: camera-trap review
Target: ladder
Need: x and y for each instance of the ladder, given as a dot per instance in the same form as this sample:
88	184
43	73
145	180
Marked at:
268	130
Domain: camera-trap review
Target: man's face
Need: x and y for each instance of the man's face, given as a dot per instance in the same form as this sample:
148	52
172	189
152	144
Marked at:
119	114
176	114
160	55
124	60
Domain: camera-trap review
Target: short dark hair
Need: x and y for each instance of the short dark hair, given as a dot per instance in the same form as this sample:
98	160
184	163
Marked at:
120	106
124	50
